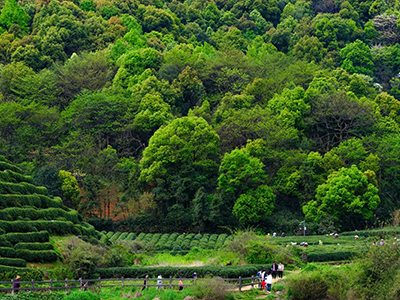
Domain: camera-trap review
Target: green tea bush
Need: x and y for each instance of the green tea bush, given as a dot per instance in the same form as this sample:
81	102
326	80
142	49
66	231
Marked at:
29	237
115	236
140	236
4	165
14	177
53	227
35	200
131	236
34	246
7	252
3	241
14	213
123	236
183	272
212	289
110	234
37	256
22	188
8	273
13	262
147	238
155	238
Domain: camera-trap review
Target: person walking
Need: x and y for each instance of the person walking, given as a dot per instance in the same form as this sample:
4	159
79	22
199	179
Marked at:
268	282
274	269
16	283
281	267
180	285
145	282
159	282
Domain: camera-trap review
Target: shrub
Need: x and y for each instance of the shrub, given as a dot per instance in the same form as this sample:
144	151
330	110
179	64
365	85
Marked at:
115	236
29	237
22	188
211	289
34	246
7	273
13	262
39	201
131	236
7	252
183	272
7	166
37	256
123	236
14	177
322	282
33	296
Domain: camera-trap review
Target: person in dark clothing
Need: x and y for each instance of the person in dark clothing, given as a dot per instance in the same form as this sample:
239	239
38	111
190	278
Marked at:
145	281
274	269
16	282
194	275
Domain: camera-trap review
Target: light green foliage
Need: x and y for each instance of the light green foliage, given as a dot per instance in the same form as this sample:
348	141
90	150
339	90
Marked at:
309	49
357	58
12	13
347	191
254	206
188	140
136	62
69	188
239	172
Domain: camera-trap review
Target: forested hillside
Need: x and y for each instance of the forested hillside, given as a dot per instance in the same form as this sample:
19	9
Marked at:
202	115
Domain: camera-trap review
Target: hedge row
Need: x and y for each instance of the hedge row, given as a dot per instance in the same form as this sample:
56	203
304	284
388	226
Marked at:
3	241
183	272
53	227
16	213
22	188
36	200
9	273
332	256
37	256
13	262
14	177
314	240
381	232
29	255
28	237
174	242
4	165
34	246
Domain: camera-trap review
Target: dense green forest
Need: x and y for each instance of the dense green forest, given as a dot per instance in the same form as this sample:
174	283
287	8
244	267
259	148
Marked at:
203	115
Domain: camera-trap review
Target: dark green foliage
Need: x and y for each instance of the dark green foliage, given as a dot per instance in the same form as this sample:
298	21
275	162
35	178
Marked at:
184	272
41	256
15	213
34	246
13	262
21	188
39	201
29	237
14	177
5	165
33	296
8	273
7	252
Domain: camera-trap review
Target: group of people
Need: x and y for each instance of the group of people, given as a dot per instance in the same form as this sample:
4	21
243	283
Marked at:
265	277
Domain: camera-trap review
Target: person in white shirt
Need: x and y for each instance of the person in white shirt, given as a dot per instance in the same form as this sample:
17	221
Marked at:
281	267
268	282
159	282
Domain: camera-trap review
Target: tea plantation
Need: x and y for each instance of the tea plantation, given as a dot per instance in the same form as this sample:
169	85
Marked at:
174	241
28	215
